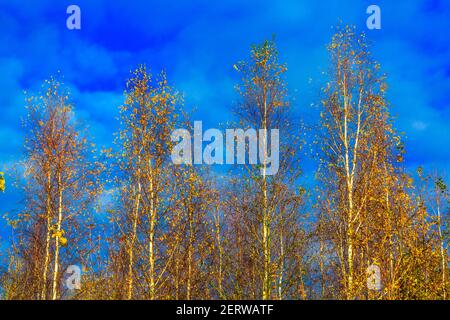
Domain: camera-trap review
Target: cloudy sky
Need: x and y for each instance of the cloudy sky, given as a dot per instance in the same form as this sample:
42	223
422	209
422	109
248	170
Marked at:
197	43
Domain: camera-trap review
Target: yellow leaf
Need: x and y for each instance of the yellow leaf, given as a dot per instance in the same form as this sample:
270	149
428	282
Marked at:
63	241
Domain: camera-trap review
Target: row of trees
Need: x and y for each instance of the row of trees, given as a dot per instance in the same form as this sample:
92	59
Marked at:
144	228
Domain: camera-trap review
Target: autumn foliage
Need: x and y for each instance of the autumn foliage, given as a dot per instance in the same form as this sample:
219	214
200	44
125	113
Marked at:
142	227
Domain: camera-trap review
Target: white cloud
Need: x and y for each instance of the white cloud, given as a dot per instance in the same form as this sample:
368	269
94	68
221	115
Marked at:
419	125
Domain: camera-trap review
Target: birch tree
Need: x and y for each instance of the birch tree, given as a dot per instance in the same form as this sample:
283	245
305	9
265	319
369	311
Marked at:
60	186
264	104
147	119
356	150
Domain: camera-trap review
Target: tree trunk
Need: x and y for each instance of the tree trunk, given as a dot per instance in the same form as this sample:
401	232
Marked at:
151	242
443	255
190	245
133	239
266	220
47	239
58	230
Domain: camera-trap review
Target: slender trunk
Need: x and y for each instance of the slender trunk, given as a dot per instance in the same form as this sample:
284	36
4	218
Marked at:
58	230
280	276
349	220
391	244
177	276
443	255
265	218
240	265
350	262
133	239
349	180
266	235
47	239
151	248
220	255
368	260
151	242
190	247
321	266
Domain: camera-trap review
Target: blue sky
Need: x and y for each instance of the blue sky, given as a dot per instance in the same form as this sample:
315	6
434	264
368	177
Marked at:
197	43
